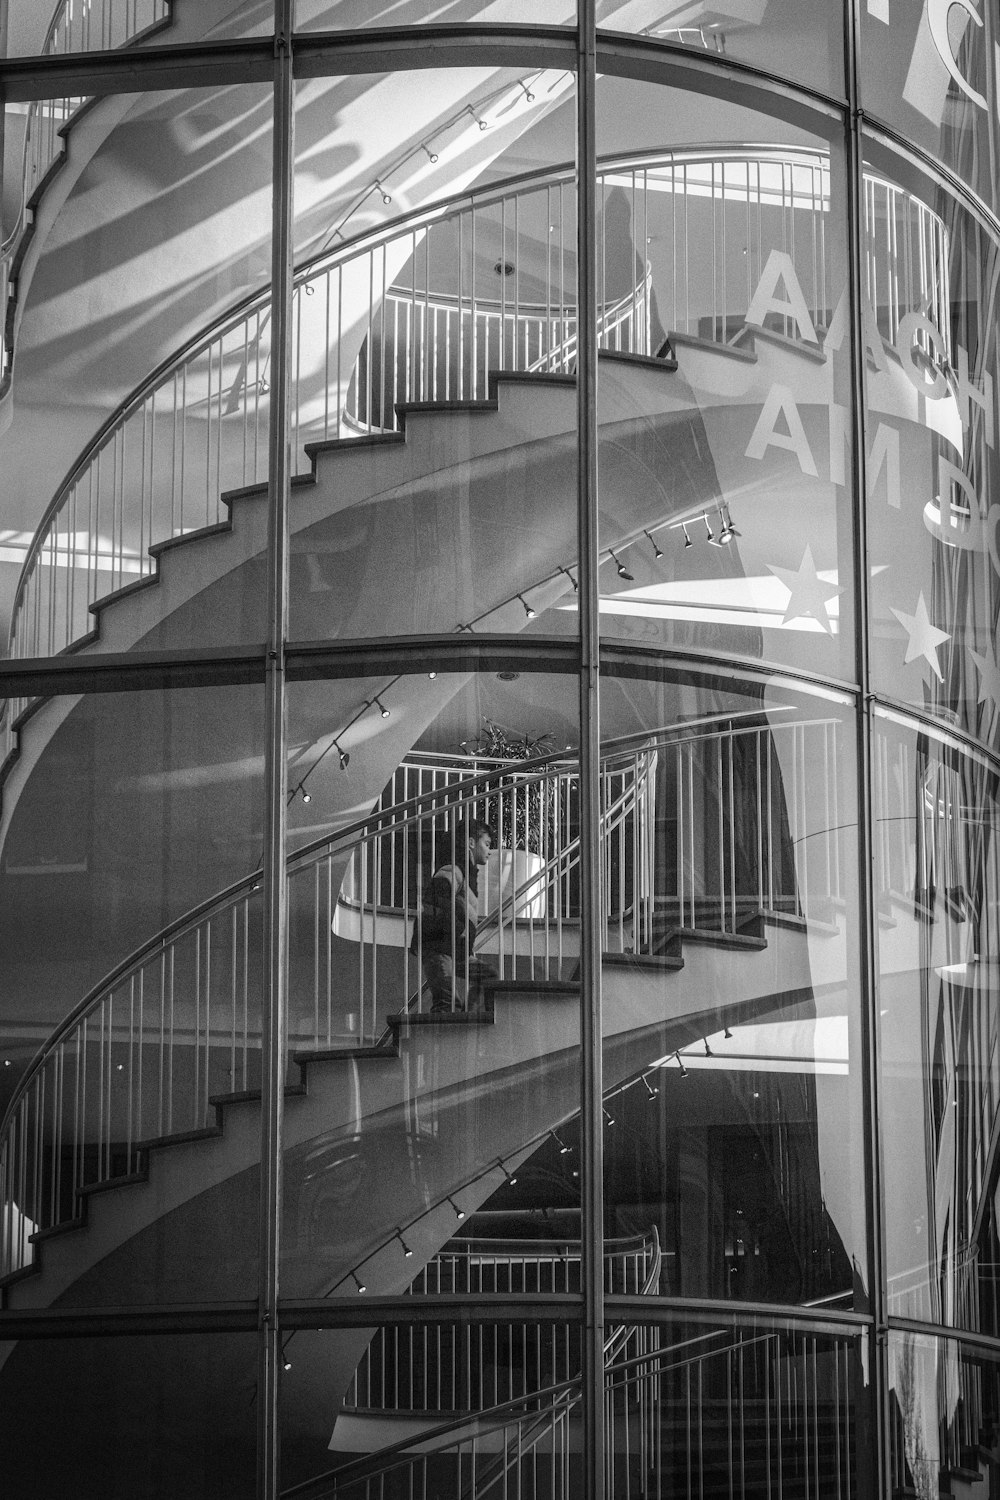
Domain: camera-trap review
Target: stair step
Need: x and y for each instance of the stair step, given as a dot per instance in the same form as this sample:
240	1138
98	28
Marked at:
339	1054
54	1230
667	962
178	1138
109	1183
251	1096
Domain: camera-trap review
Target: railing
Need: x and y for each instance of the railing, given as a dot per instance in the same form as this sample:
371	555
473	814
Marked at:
449	1368
505	257
717	1413
701	827
439	349
76	26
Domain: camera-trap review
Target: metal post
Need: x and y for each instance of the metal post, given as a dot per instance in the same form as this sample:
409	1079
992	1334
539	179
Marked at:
878	1396
592	1143
273	1017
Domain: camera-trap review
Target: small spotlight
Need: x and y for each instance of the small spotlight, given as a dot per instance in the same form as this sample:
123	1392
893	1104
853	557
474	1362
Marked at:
687	540
119	1067
459	1212
710	534
431	155
708	1050
376	702
727	1034
407	1252
358	1283
263	386
307	796
651	1093
527	92
432	675
657	553
623	572
527	607
386	196
478	119
564	1150
511	1179
680	1064
345	759
576	586
310	291
286	1365
609	1117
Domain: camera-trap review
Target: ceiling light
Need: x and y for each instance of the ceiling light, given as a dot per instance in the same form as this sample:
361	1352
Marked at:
432	155
623	572
656	550
527	607
386	196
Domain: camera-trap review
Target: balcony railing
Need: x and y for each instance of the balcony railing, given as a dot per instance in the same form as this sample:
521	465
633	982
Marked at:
441	1368
716	1413
179	1022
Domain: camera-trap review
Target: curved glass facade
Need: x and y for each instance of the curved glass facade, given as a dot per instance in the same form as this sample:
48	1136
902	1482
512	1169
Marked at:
500	779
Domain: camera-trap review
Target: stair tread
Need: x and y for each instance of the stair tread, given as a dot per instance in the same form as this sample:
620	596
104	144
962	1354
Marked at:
54	1230
179	1138
108	1183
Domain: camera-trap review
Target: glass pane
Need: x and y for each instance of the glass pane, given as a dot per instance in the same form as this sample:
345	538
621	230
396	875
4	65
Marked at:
944	1414
933	471
690	1409
434	925
130	996
801	40
929	71
57	28
434	407
725	453
132	411
352	15
732	1062
172	1415
938	886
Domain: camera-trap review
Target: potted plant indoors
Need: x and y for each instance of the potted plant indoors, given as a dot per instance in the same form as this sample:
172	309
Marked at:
520	816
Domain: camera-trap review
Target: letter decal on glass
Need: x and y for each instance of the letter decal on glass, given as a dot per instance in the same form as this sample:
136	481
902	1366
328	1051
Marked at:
909	350
957	526
938	12
781	403
968	391
885	455
793	305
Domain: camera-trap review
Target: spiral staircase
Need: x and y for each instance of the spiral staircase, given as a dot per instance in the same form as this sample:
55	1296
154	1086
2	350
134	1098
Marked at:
438	401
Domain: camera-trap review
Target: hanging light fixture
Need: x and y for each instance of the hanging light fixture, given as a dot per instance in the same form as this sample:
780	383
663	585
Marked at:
358	1282
564	1150
527	92
651	1093
623	572
479	121
459	1212
527	607
386	195
407	1252
657	553
432	155
680	1064
345	755
609	1117
708	1050
511	1179
576	586
376	702
687	540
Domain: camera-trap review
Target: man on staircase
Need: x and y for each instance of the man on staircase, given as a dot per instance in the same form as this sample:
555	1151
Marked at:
444	934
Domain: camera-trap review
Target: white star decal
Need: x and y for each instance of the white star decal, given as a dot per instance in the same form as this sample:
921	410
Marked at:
989	676
807	592
925	638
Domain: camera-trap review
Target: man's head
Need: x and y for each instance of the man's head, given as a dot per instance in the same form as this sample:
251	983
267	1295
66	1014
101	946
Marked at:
476	837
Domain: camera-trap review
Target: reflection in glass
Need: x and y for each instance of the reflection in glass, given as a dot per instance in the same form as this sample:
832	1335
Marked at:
725	460
732	1099
130	996
928	70
932	451
938	888
944	1417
